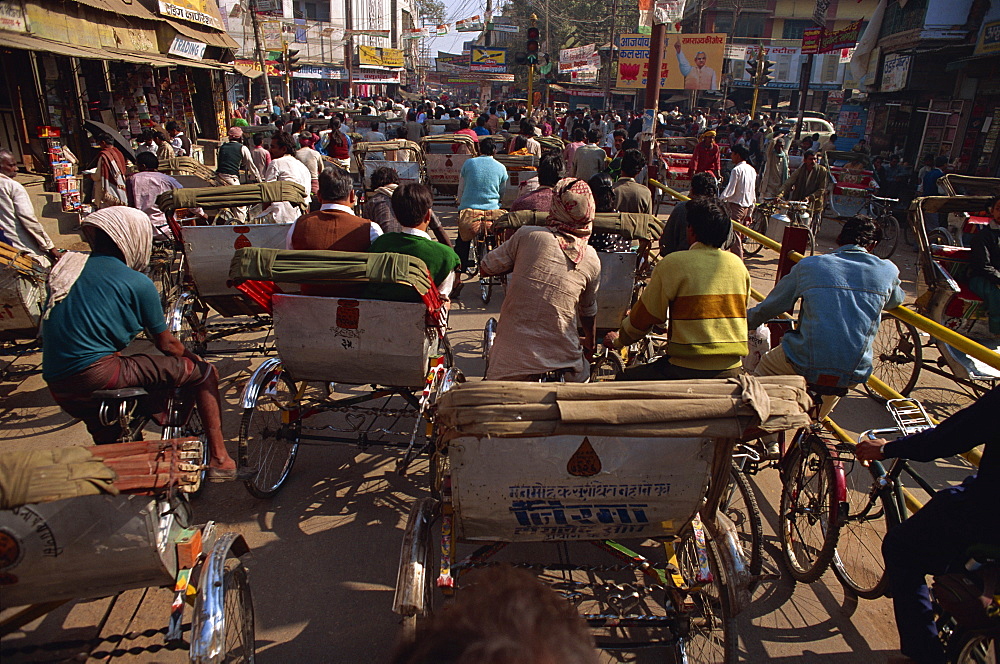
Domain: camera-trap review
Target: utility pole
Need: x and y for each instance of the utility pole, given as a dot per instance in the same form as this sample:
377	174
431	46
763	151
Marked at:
260	54
486	23
349	45
287	66
609	72
531	65
806	76
550	76
652	105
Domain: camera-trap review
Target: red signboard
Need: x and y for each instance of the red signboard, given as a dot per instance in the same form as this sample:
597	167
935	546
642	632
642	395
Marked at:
818	40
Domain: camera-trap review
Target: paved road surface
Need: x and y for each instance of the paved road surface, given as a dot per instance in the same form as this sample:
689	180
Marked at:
325	550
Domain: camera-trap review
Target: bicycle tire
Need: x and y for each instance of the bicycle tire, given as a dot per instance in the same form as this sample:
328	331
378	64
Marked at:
711	610
897	355
942	236
815	512
238	615
886	247
972	646
758	222
858	563
746	519
266	415
485	289
607	366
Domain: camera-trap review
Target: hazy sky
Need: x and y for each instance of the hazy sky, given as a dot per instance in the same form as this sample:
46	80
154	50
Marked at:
454	11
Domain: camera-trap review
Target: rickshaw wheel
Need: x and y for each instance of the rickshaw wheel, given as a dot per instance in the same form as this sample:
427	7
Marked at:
808	513
942	236
939	312
897	355
712	636
758	222
413	623
740	505
238	611
192	331
267	445
485	289
886	247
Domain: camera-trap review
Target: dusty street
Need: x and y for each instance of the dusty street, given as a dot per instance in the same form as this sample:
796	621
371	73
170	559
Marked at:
325	549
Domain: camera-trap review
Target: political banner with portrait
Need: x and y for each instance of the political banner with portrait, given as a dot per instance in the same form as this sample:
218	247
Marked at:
690	61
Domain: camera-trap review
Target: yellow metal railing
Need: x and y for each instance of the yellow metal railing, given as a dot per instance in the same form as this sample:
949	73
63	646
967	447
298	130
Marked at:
935	329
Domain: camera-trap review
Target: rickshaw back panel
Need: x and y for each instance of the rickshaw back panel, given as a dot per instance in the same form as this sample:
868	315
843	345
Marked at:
20	304
575	487
614	297
209	251
352	341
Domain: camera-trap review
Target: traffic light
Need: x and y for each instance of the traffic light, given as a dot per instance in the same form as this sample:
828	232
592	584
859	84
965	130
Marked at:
752	67
766	72
291	60
531	48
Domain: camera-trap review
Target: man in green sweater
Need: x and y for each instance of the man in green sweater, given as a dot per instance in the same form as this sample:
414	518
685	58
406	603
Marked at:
412	204
704	292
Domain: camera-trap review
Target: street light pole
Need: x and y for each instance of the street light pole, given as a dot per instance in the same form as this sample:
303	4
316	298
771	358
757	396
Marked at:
260	55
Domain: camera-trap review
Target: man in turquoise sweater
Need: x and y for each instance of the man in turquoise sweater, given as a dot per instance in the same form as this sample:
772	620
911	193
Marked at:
480	187
412	204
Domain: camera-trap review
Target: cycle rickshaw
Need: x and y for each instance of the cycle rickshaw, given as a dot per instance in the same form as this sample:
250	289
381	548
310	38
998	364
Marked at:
208	250
623	274
961	226
85	523
852	191
523	471
520	168
898	352
342	354
404	157
444	156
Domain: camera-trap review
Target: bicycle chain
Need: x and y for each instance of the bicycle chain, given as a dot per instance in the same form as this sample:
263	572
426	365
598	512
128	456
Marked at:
377	412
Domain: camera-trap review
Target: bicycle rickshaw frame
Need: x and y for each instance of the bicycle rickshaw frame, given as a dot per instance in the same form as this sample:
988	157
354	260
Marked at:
471	504
274	400
360	151
187	317
898	352
441	172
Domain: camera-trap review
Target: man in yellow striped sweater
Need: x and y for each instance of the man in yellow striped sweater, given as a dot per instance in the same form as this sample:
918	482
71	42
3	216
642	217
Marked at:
704	293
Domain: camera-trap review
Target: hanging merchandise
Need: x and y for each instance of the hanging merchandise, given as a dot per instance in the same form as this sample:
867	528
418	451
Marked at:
442	30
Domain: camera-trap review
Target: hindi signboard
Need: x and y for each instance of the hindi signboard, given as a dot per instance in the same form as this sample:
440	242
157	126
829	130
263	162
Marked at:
579	59
819	40
488	59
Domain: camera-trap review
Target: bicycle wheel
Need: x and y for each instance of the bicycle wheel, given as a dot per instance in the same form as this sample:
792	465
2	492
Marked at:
886	247
188	324
941	236
808	510
711	636
608	365
973	647
268	446
162	276
758	222
740	505
238	621
897	355
858	562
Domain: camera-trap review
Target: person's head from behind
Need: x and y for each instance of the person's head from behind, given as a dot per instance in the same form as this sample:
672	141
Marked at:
147	161
740	154
336	186
282	144
704	185
602	187
412	203
103	140
172	128
860	230
482	120
463	123
486	146
707	222
632	163
122	232
941	161
549	167
520	143
506	616
593	135
258	139
383	176
579	135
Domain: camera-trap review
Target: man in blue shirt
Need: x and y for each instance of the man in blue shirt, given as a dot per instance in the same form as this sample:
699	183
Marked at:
843	295
98	304
480	187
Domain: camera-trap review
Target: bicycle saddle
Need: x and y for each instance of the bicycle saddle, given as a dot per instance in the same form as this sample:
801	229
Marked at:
120	393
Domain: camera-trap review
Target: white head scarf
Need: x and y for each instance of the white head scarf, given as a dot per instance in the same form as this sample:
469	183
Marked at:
130	229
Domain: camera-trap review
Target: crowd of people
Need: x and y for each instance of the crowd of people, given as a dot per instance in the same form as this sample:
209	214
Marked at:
699	289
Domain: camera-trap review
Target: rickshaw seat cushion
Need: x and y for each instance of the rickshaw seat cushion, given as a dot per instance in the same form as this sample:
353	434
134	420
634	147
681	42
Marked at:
263	193
119	393
630	225
39	476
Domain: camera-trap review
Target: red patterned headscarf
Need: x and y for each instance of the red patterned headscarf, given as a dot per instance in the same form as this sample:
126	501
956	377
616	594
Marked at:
571	216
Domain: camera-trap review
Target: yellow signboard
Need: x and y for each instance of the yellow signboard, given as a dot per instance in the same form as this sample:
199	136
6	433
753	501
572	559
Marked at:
690	61
374	56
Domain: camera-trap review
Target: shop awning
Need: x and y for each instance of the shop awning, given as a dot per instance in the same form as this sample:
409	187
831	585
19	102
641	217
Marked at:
27	42
208	36
249	72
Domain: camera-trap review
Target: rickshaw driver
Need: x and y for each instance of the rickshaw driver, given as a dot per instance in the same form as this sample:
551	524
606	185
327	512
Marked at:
553	292
703	291
480	187
98	304
985	273
807	183
843	296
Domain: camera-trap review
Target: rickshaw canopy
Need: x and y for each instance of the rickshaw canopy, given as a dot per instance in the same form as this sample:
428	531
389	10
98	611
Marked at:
969	185
263	193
